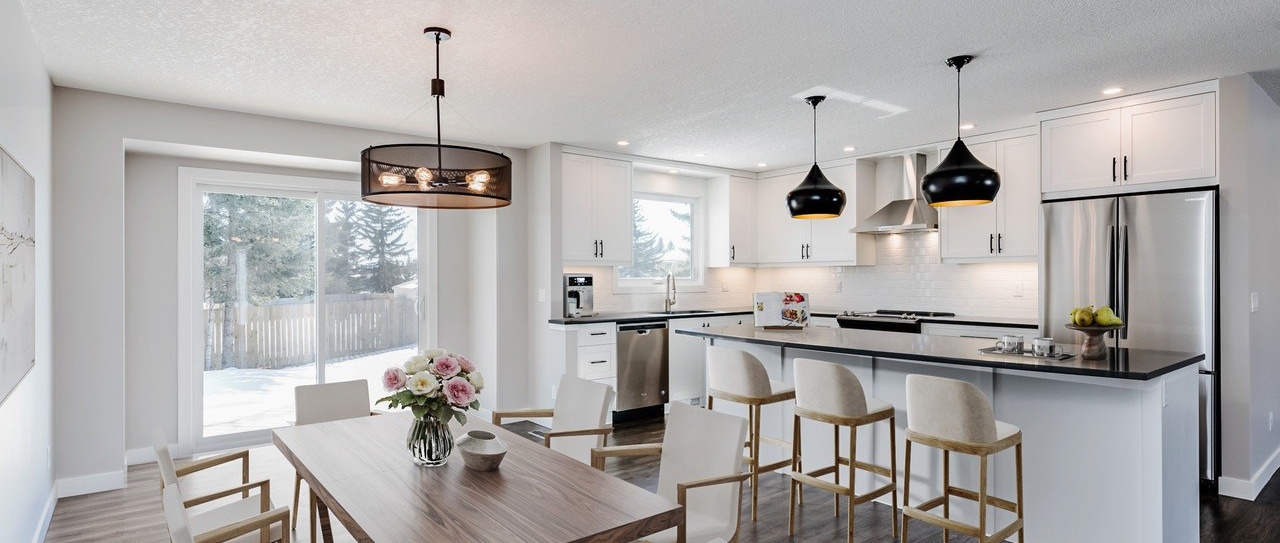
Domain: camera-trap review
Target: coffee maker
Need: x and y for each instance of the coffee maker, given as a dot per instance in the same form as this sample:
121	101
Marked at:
579	299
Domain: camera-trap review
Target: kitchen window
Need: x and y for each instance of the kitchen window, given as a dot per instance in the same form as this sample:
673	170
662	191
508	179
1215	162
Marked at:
666	239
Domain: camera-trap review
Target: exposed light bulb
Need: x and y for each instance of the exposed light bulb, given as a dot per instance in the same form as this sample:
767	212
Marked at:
390	179
477	180
423	175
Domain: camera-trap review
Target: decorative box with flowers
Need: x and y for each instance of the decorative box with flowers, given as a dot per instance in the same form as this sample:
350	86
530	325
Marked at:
437	386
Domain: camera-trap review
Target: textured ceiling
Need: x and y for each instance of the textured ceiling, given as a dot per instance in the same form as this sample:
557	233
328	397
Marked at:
716	77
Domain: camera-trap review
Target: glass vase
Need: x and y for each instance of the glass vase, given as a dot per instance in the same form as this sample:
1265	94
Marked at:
430	441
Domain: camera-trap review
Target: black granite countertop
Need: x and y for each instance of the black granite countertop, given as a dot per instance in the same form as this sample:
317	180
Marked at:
1003	322
645	316
1134	364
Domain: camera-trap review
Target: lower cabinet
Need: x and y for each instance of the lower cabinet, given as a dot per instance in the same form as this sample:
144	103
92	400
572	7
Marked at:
687	356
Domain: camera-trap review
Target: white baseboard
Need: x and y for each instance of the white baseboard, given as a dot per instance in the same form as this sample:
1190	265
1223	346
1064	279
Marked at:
89	484
1249	490
46	516
144	455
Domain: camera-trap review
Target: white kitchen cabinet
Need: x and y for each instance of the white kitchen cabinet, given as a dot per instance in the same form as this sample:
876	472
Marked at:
731	217
597	210
1172	139
782	240
1005	229
687	355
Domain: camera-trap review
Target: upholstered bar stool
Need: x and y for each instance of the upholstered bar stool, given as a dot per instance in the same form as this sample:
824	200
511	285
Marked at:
737	376
955	416
831	393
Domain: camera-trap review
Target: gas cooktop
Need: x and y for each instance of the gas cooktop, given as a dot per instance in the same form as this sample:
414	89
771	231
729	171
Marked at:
889	320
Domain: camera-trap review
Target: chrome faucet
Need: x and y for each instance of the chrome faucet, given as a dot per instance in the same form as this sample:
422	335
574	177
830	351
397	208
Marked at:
669	295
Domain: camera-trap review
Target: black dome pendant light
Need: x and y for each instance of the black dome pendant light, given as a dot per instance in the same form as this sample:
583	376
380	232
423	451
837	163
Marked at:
815	197
960	179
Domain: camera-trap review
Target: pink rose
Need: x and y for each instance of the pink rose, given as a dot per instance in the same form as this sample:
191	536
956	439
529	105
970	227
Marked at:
459	392
394	379
467	366
446	366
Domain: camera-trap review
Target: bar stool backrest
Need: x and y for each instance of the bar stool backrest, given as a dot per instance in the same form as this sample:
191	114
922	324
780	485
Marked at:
949	409
736	372
829	388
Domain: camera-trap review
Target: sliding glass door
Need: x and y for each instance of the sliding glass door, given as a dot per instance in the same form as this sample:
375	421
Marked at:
296	287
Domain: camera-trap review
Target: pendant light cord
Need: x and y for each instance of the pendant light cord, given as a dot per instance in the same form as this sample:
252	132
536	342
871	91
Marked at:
815	132
439	150
958	66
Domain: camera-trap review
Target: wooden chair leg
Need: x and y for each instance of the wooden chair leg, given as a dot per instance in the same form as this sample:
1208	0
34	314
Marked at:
906	487
893	473
297	487
1017	451
311	516
946	492
709	399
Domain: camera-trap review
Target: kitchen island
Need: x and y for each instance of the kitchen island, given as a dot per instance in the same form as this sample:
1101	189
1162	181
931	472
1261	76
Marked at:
1110	446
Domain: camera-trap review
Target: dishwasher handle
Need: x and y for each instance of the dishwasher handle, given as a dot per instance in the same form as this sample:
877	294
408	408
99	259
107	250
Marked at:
642	327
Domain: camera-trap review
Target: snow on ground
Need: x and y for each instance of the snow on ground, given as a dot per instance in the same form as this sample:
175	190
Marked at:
240	400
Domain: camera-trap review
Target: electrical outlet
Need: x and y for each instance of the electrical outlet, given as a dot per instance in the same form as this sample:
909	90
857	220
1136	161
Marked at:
1017	290
839	287
724	286
1253	302
542	295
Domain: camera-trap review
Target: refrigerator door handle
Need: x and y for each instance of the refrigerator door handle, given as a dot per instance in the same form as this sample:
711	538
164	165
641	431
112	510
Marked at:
1123	304
1112	273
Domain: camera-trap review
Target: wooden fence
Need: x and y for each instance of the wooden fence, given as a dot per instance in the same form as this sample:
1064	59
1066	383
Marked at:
275	336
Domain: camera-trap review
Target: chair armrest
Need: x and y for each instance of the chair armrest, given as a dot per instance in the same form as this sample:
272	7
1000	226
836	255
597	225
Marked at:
546	437
521	413
263	485
262	521
683	488
206	463
598	454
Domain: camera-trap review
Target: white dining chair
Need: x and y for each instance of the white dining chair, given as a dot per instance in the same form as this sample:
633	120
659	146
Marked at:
577	421
323	403
163	454
248	520
700	469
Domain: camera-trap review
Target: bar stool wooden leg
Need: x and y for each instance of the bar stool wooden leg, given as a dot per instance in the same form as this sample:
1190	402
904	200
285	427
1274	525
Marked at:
795	468
853	462
982	495
946	491
1017	451
906	487
755	460
893	473
835	440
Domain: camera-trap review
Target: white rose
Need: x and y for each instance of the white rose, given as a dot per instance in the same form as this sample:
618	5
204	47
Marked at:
476	380
416	364
423	384
432	353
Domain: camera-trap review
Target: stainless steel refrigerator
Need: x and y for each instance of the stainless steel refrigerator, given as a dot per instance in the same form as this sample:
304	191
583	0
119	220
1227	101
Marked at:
1153	259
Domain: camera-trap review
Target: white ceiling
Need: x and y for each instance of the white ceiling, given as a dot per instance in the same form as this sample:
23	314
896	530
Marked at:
719	77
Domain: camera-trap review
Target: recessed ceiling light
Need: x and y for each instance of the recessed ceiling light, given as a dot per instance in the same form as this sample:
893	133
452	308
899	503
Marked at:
624	143
673	171
850	149
1113	90
761	165
967	126
699	155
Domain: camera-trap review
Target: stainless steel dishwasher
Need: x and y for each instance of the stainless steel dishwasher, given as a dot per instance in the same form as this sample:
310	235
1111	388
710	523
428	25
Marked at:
642	365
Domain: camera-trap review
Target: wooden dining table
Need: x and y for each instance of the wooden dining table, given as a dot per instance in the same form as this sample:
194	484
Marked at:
361	471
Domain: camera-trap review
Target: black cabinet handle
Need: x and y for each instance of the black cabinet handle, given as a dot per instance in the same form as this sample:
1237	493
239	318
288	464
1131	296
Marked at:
598	333
999	243
991	244
601	248
1113	169
597	361
1126	167
596	250
733	252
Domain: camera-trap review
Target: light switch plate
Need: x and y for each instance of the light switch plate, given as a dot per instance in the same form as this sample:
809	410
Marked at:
1253	302
542	295
1017	290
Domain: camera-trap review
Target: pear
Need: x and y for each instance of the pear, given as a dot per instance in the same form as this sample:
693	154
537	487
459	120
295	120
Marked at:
1083	317
1107	317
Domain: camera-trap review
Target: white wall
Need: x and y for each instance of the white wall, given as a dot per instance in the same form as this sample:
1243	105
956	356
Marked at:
26	416
1249	162
89	131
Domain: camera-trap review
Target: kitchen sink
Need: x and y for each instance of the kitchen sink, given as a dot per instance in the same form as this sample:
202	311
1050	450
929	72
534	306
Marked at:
684	312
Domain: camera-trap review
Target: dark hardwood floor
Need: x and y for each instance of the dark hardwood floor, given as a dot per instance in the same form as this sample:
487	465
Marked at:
133	514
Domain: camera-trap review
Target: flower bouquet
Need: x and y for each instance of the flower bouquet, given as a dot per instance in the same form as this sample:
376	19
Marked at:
437	386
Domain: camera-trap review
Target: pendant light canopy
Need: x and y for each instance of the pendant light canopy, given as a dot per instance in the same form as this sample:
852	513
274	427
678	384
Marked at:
815	197
960	179
435	176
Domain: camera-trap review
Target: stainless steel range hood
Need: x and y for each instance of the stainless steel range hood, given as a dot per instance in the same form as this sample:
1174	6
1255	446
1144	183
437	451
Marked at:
909	213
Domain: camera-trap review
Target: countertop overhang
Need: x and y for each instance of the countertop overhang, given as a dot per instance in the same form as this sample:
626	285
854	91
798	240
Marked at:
1121	363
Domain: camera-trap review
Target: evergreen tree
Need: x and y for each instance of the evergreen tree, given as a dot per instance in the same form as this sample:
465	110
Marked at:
684	268
344	253
647	250
386	259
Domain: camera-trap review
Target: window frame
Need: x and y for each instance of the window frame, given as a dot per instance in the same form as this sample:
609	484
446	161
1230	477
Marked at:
697	242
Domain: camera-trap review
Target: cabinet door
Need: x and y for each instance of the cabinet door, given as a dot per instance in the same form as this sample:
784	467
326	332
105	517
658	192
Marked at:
742	220
779	238
1080	152
830	240
1169	140
597	361
966	231
686	360
1018	204
577	214
613	210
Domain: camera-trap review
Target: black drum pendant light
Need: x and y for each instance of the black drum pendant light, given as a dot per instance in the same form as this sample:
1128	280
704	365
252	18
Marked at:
960	179
435	176
815	197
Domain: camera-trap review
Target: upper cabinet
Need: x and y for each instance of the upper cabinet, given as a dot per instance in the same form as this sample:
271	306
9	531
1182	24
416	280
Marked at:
597	215
782	240
1005	229
731	216
1163	140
